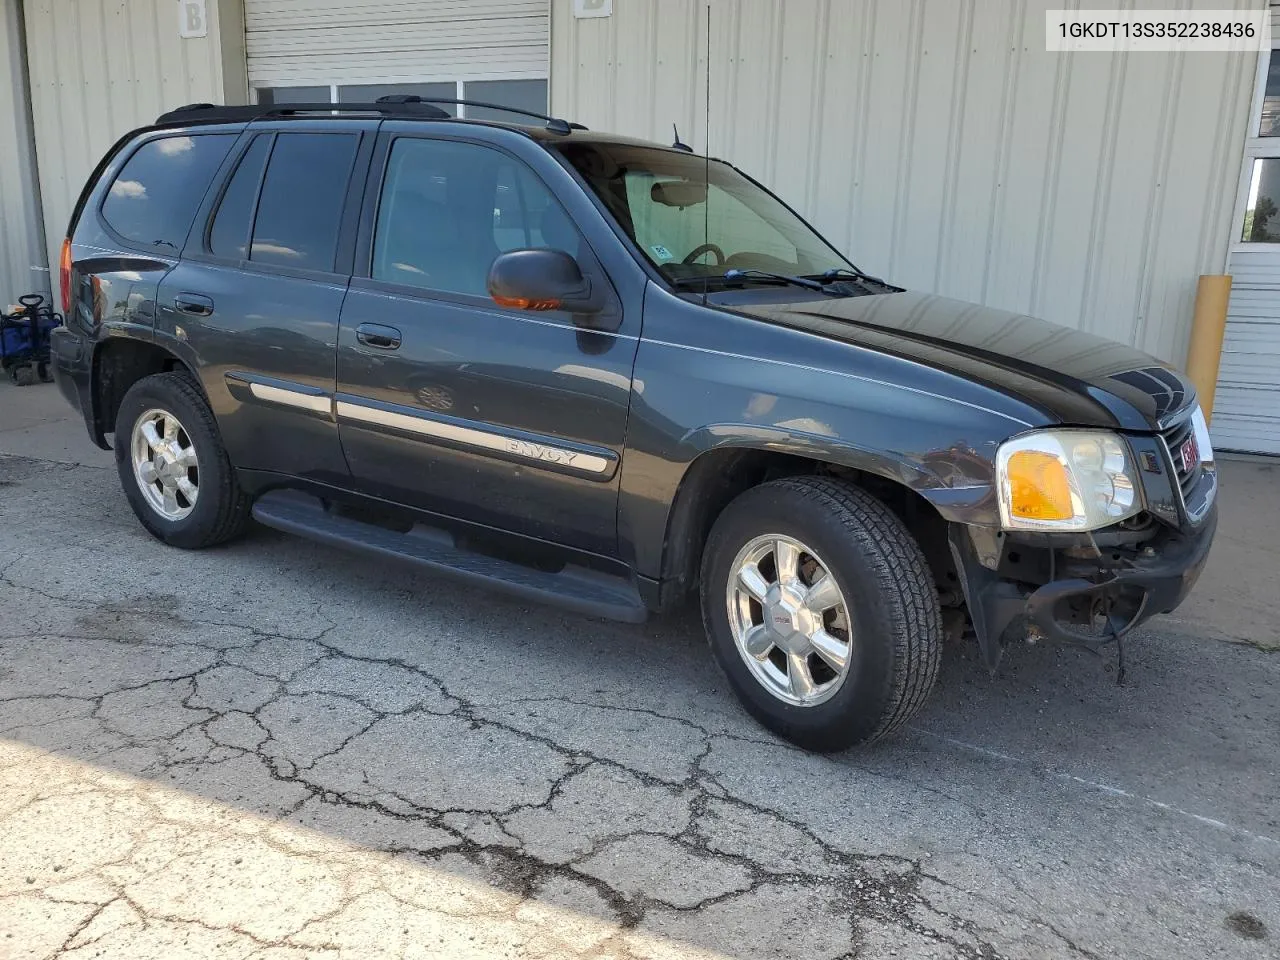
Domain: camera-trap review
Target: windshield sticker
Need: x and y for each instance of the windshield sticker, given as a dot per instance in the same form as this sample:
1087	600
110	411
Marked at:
661	252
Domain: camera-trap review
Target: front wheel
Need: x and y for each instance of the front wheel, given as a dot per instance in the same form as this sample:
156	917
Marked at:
821	610
173	466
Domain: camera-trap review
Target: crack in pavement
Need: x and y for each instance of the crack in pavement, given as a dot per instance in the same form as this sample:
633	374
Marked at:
326	777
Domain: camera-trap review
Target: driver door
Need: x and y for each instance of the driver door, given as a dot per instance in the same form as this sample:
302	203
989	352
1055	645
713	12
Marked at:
450	403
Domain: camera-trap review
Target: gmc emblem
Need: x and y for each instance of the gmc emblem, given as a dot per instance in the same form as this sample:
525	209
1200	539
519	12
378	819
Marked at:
1190	454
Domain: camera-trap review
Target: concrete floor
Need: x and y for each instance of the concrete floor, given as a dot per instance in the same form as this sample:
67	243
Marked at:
277	750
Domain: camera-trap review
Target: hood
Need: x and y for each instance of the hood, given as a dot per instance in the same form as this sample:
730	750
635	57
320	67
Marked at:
1072	376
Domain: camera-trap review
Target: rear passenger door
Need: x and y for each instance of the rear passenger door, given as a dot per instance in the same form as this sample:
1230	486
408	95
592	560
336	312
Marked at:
447	401
257	295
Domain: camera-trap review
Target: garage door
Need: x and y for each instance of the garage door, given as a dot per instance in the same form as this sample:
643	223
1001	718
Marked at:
358	50
1246	410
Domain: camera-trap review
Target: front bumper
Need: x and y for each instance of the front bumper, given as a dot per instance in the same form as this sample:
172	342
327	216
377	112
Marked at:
1129	595
1074	589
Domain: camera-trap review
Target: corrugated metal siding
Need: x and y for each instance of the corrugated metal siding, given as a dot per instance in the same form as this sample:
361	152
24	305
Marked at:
98	69
1246	414
21	256
299	42
941	145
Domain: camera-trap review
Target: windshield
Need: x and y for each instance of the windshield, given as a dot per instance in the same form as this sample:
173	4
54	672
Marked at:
691	228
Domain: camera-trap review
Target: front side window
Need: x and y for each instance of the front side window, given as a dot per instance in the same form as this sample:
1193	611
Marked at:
300	209
448	209
689	224
155	196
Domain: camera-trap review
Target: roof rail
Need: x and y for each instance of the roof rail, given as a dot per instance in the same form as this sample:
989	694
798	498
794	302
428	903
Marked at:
404	105
554	124
214	113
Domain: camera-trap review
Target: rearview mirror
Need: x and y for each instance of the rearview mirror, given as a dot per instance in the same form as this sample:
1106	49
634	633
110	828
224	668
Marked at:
678	193
541	280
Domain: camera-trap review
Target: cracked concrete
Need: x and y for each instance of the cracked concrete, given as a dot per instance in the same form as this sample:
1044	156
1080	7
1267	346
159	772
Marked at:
276	751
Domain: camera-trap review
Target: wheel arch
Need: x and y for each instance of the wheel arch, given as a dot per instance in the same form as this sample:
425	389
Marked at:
722	471
118	363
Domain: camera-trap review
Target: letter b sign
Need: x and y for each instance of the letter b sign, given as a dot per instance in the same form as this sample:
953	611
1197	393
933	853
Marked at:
192	21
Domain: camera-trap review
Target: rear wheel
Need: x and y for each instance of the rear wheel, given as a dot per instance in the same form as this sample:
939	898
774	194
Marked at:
820	608
172	464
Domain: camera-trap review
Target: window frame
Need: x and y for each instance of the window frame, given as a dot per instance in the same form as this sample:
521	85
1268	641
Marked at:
1255	148
123	162
198	240
459	85
362	273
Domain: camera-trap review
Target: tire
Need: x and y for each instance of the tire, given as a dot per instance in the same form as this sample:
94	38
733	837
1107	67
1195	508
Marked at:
43	372
23	376
889	618
220	509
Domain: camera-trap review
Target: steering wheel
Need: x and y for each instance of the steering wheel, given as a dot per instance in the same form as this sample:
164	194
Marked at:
702	248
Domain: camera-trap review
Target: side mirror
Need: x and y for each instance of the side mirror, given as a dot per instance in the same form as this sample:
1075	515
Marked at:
542	280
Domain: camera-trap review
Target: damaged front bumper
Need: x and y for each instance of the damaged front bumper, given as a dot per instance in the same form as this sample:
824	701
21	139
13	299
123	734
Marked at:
1088	590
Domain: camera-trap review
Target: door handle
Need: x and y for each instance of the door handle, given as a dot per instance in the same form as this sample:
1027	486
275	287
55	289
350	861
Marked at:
378	336
193	304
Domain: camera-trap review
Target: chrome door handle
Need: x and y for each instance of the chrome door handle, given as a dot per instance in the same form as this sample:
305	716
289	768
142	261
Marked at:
378	336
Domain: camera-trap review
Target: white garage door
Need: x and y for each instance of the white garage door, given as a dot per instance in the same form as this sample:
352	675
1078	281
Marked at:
357	50
1246	410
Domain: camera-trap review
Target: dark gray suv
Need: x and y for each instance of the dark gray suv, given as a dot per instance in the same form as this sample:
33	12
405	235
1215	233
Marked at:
610	374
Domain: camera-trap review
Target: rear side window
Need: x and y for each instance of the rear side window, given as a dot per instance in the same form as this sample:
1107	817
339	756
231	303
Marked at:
229	235
154	198
300	208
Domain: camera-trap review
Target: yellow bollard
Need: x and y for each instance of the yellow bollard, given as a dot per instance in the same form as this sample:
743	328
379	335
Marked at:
1204	352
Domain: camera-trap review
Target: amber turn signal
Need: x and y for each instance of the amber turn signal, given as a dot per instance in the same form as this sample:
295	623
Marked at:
524	303
1039	488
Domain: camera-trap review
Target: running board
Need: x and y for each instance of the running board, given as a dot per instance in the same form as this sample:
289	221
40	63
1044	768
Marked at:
573	588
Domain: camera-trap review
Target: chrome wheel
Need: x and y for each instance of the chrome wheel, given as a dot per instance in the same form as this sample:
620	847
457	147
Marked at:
789	619
164	464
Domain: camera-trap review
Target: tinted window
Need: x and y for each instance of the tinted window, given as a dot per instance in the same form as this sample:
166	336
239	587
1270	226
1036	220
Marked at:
300	209
154	198
230	232
448	209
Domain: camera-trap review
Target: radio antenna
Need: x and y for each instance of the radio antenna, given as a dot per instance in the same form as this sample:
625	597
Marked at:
706	158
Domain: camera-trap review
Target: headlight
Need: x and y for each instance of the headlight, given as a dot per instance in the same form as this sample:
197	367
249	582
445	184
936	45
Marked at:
1066	480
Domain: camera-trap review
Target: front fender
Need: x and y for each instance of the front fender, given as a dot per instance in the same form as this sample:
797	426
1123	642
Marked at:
709	381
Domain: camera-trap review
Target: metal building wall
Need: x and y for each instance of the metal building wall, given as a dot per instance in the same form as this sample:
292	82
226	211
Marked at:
940	144
22	265
99	68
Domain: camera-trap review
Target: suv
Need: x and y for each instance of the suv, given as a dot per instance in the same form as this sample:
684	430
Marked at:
608	374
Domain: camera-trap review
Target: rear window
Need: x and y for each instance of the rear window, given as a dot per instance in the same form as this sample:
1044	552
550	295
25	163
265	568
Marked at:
154	198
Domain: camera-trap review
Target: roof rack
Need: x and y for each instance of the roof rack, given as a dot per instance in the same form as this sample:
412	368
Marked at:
214	113
554	124
402	105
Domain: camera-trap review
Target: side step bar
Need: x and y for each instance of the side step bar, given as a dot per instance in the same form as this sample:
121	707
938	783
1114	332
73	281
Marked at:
573	588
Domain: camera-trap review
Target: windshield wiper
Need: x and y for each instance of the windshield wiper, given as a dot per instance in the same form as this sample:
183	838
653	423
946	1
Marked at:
737	276
759	276
840	273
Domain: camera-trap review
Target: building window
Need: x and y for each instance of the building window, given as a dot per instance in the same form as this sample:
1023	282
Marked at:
523	94
1270	125
273	96
1261	219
